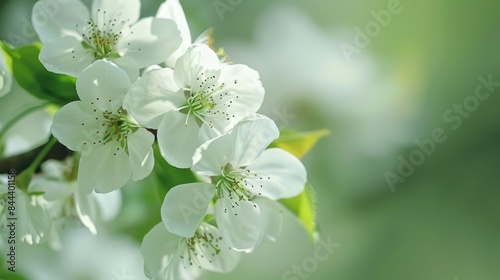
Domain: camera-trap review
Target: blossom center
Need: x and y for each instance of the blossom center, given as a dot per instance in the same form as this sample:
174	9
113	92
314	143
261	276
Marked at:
113	126
207	101
117	127
102	38
202	245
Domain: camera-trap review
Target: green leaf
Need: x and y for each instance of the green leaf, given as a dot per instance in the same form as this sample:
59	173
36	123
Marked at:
303	207
168	176
298	143
9	275
31	75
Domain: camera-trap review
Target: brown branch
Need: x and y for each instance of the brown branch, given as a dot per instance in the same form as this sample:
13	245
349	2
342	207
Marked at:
22	161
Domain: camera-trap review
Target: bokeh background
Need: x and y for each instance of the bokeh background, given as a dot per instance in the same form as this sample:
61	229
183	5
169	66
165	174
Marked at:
441	223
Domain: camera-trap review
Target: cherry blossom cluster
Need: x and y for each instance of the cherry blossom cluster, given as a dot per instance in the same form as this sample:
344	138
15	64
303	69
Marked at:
141	81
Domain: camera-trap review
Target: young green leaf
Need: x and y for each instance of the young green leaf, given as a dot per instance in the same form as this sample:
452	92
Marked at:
298	143
303	207
31	75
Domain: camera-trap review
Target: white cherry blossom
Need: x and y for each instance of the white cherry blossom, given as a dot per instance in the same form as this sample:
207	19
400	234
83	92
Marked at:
66	200
245	180
171	257
200	93
113	147
73	37
33	219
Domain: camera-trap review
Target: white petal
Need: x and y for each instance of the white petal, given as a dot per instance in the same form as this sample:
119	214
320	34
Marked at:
55	169
68	128
205	37
102	170
225	260
175	268
87	210
185	207
271	218
213	156
208	133
52	189
65	55
156	248
28	133
34	222
103	83
128	65
57	19
196	60
109	204
153	95
283	175
5	77
243	87
250	139
239	225
152	41
140	152
128	10
178	138
172	9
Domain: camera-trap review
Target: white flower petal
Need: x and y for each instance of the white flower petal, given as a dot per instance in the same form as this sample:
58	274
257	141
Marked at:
156	248
196	60
176	269
55	169
243	87
87	210
238	223
205	37
109	204
102	170
35	223
5	77
152	41
65	55
225	260
128	10
103	83
140	152
213	156
52	189
271	218
172	9
250	139
208	133
178	138
153	95
28	133
185	207
283	175
68	129
128	65
57	19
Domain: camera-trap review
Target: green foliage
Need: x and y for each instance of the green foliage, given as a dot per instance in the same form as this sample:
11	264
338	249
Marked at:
168	176
298	143
31	75
8	275
304	207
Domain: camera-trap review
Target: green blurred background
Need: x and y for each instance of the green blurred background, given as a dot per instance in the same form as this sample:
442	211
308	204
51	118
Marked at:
442	222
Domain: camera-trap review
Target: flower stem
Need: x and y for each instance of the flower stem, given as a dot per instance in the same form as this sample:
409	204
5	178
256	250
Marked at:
24	178
19	116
